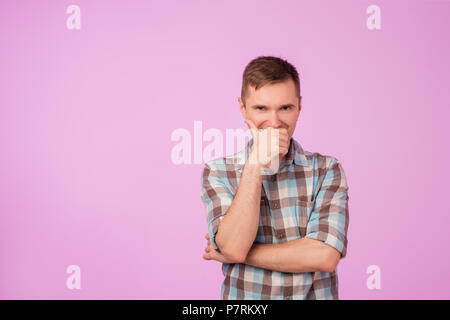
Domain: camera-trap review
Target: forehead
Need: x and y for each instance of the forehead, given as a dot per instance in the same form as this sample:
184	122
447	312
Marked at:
273	94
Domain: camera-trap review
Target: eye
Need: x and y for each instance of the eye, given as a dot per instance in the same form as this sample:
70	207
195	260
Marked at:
288	107
259	108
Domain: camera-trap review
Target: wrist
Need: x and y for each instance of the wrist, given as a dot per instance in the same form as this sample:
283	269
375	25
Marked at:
253	167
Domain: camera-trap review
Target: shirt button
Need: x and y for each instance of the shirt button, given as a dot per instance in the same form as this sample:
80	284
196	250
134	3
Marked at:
275	205
280	234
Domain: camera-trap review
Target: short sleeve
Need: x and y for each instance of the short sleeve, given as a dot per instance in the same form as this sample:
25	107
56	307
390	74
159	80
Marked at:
329	218
216	197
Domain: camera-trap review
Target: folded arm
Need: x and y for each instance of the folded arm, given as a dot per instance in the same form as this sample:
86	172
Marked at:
301	255
325	242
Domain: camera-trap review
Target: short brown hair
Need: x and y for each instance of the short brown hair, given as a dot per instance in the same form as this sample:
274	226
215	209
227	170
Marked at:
268	70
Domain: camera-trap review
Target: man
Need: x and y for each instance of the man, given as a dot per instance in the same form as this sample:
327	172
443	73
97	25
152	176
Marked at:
279	236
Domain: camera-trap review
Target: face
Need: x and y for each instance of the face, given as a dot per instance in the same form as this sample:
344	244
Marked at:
273	105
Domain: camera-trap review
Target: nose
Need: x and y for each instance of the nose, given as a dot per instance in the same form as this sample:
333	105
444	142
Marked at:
274	121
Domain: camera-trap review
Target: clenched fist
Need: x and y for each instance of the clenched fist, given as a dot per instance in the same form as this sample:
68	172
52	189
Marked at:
269	145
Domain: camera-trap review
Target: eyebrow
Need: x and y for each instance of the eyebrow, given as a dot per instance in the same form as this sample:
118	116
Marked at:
261	105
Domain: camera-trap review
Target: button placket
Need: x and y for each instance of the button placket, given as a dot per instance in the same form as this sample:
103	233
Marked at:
264	219
280	234
303	209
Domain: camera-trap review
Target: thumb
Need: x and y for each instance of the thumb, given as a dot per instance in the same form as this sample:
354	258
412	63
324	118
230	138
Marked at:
250	124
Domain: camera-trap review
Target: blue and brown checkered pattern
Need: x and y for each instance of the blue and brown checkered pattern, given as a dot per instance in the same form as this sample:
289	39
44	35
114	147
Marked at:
307	197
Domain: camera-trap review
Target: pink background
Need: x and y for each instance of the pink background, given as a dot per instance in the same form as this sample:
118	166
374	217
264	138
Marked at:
86	117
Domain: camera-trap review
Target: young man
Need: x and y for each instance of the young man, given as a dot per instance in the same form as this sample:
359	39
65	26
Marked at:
278	236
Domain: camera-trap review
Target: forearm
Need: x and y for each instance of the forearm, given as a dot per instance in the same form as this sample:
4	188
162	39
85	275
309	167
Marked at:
238	228
301	255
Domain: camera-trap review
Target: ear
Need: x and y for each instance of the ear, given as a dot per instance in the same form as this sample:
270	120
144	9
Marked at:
242	108
300	103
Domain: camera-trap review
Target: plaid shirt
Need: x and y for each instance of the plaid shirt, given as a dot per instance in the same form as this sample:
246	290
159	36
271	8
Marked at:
307	197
